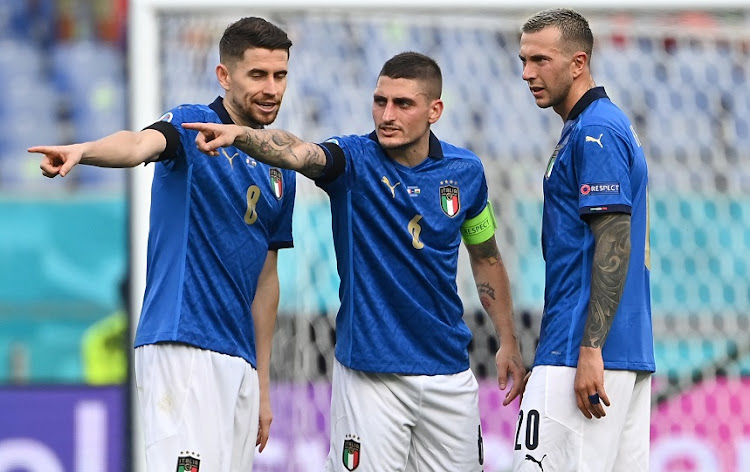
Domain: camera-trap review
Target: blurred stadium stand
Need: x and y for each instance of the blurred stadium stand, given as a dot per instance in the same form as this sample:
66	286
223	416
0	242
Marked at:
689	101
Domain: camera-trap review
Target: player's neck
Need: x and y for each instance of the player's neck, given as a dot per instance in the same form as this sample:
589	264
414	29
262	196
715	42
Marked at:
579	88
412	154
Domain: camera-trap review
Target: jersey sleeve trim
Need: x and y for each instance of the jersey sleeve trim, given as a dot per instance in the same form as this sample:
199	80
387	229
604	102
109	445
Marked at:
172	136
595	210
335	163
273	246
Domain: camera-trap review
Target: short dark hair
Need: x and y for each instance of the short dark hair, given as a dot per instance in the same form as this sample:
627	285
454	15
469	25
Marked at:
415	66
575	32
251	32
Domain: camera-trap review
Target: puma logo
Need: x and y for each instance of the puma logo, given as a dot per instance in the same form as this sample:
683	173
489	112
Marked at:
596	140
537	462
391	187
231	164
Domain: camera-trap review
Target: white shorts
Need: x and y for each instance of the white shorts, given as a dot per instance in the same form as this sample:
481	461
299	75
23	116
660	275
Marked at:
389	422
553	435
199	409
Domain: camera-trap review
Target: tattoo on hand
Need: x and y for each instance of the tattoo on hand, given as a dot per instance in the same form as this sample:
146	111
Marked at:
608	275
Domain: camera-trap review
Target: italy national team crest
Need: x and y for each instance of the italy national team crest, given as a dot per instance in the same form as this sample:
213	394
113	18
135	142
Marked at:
277	182
188	463
551	162
351	452
449	199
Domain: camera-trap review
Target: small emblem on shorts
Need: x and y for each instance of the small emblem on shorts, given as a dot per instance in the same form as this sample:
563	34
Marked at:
351	452
188	462
531	458
480	445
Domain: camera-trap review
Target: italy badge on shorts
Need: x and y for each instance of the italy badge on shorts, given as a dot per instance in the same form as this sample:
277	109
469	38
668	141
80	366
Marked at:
449	201
351	452
277	182
188	464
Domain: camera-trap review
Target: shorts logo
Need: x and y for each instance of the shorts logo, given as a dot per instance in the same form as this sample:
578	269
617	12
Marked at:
480	445
603	188
188	462
449	198
277	182
351	452
531	458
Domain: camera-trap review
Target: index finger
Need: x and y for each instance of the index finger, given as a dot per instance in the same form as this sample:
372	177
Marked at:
41	149
198	126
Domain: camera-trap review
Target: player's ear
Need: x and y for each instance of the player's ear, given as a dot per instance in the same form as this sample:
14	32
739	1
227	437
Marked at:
580	63
436	110
222	73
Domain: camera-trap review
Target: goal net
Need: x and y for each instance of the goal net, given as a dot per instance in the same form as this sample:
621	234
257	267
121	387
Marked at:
682	77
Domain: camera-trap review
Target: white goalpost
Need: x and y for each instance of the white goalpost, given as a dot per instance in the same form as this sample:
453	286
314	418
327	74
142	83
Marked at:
679	69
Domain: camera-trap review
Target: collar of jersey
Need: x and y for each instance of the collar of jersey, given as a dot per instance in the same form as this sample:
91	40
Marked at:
435	151
588	98
218	107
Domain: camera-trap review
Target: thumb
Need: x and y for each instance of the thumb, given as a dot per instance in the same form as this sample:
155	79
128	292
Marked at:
502	376
66	166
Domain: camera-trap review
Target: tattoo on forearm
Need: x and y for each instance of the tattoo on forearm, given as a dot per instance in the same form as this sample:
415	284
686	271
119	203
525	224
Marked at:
486	291
277	148
608	275
487	251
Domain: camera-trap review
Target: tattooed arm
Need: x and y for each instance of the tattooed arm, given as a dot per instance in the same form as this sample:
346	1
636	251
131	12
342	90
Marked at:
493	286
608	273
274	147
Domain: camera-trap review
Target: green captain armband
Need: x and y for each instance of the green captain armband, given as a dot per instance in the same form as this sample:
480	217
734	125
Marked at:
480	228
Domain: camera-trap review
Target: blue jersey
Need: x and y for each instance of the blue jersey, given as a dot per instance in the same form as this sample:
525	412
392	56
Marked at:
213	220
598	167
396	233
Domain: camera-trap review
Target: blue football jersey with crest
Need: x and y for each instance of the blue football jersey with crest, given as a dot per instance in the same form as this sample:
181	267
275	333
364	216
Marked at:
598	167
213	220
396	233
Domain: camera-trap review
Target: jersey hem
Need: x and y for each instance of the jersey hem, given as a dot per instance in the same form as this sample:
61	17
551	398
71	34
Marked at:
634	366
398	368
205	344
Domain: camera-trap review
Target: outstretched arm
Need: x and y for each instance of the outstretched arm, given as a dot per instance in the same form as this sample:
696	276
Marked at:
274	147
493	286
120	149
264	310
608	274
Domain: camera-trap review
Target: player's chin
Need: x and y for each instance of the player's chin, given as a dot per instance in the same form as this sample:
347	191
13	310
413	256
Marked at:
265	117
389	141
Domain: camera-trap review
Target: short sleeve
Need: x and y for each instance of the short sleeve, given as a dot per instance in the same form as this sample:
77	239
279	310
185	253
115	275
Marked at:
479	200
602	164
281	233
350	146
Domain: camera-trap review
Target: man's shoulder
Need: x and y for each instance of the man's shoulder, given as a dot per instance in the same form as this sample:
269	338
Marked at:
451	153
604	113
190	112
